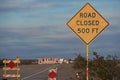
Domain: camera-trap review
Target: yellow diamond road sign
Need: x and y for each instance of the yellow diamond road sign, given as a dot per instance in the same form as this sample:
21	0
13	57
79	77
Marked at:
87	23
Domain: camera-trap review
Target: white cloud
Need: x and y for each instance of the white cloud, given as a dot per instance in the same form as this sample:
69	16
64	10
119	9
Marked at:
22	4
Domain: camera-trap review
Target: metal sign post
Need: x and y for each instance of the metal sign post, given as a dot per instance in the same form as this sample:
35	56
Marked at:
87	61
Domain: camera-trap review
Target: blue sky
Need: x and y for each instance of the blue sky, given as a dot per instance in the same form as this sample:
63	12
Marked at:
37	28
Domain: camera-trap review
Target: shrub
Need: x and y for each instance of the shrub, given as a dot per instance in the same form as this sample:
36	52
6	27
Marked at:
79	62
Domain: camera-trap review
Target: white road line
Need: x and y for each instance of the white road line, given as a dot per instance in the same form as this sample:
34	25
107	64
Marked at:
37	72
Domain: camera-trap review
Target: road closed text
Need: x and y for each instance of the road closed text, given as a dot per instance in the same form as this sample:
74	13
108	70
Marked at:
87	19
87	22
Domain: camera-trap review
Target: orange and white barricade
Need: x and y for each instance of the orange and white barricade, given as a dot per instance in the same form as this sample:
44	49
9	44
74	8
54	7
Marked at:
10	65
52	74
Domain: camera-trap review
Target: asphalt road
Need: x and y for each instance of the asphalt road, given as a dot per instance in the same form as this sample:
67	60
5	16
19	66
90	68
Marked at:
40	72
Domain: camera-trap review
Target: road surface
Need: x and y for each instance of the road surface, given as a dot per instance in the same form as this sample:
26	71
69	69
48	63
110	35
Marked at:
40	72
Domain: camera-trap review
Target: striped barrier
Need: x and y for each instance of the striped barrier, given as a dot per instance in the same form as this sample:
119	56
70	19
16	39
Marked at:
11	75
52	74
11	65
